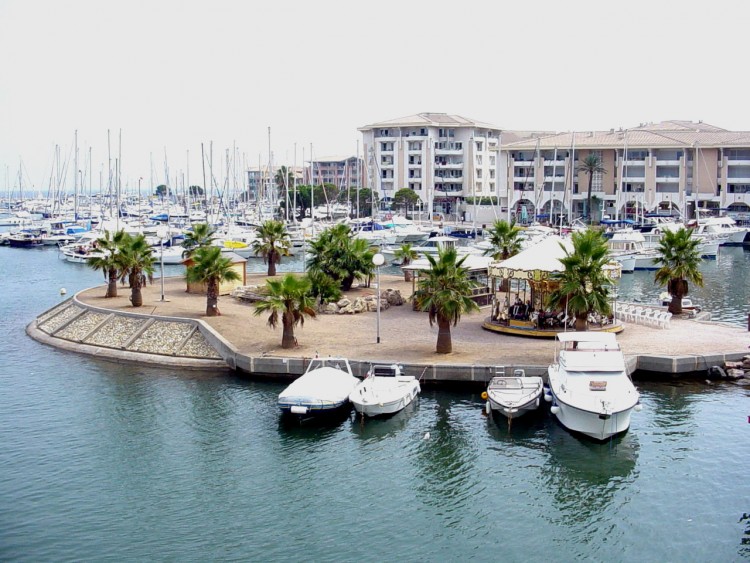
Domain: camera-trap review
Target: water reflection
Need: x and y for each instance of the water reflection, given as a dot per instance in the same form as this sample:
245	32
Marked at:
446	459
583	476
370	430
673	404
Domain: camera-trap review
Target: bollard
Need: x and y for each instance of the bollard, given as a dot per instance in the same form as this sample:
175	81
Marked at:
748	322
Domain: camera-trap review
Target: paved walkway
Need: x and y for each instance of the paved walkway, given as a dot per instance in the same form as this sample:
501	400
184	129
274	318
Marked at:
406	335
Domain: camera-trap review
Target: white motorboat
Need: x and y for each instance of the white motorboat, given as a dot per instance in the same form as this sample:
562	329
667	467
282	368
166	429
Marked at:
323	388
385	390
514	395
627	244
590	391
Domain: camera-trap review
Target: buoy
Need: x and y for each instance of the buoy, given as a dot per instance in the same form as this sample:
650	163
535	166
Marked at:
63	291
638	407
554	409
488	407
484	395
426	436
548	397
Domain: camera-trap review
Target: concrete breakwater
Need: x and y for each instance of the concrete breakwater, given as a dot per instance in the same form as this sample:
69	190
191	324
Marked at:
175	333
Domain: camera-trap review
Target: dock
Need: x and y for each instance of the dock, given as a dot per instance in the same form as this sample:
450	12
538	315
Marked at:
176	333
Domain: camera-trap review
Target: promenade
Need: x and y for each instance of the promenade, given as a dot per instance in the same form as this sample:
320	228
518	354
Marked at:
406	336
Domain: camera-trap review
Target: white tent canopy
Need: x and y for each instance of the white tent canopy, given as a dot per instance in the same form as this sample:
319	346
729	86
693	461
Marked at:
535	263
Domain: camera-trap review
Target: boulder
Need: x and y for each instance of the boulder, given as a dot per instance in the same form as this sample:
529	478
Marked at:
735	373
330	309
348	310
359	305
343	302
393	296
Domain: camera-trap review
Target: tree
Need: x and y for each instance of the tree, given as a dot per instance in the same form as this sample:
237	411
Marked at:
290	299
195	191
162	191
211	268
445	293
590	165
136	263
272	243
340	256
406	254
405	198
505	240
108	259
679	258
202	234
323	287
366	199
584	286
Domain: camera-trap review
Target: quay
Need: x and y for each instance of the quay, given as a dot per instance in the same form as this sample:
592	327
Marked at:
176	333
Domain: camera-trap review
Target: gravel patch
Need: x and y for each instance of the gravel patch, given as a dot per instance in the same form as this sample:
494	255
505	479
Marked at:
55	322
79	328
161	338
198	347
52	312
116	332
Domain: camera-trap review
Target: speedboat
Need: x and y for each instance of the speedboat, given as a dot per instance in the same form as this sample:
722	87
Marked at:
515	395
590	391
384	390
323	388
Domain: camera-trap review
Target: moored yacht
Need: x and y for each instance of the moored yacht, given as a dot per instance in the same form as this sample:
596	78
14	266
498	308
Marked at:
323	388
385	390
590	391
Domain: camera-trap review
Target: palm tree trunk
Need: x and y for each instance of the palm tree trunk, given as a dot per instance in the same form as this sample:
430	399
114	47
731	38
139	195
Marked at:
136	297
272	263
588	198
582	323
346	283
675	306
112	283
212	298
287	338
444	342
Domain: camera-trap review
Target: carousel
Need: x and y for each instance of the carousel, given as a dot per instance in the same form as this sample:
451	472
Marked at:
520	288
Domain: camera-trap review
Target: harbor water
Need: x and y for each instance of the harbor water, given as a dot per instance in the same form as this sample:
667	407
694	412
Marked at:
107	461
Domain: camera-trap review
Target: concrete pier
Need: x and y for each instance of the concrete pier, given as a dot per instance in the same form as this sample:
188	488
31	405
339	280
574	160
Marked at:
176	333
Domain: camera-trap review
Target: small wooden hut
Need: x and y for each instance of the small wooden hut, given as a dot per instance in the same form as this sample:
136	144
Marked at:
239	265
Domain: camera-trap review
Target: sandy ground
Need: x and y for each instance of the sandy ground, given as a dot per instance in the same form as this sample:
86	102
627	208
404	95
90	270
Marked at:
405	334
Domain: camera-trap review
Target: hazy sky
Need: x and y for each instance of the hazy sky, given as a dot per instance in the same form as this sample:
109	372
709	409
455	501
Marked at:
170	75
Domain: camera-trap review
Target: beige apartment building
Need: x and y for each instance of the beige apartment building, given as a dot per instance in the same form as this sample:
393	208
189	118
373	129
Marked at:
443	158
670	167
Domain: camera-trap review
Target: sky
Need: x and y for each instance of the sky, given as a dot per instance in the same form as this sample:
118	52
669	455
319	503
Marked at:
150	84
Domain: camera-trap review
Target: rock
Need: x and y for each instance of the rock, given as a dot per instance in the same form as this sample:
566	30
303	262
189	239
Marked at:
393	296
735	373
742	381
717	372
359	305
343	302
732	365
348	310
330	308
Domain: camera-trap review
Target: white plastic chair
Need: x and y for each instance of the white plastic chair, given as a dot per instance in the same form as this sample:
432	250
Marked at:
636	315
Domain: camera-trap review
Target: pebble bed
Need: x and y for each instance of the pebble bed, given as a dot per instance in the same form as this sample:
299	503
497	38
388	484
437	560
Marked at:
197	347
56	321
116	332
52	312
78	329
161	338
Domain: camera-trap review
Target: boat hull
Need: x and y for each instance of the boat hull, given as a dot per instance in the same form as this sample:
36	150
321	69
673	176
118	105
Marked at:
513	397
597	426
370	406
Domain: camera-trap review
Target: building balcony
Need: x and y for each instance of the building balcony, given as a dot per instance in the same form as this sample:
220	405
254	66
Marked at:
737	161
450	165
452	179
738	180
524	163
557	179
668	179
386	165
634	179
448	191
449	151
667	162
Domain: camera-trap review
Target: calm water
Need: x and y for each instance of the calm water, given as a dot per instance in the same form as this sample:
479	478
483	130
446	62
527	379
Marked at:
101	461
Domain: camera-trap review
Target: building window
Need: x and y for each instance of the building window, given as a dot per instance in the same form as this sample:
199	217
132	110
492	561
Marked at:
480	146
386	146
479	160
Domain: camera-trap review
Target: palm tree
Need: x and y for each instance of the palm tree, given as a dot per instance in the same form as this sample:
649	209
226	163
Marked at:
136	262
406	254
590	165
343	258
273	242
289	298
505	241
679	258
211	268
445	293
108	261
584	286
202	234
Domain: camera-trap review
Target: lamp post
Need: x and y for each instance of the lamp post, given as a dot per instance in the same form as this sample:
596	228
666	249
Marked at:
162	234
378	260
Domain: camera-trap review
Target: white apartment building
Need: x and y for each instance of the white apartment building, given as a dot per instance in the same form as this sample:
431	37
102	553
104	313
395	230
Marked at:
341	171
443	158
669	167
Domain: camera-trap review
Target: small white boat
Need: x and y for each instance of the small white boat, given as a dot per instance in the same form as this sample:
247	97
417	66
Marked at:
590	391
323	388
515	395
385	390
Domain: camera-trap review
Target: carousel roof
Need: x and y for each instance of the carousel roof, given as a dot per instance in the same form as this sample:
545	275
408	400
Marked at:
535	263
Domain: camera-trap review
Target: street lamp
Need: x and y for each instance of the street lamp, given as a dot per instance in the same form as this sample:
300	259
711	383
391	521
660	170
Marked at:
162	234
378	260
